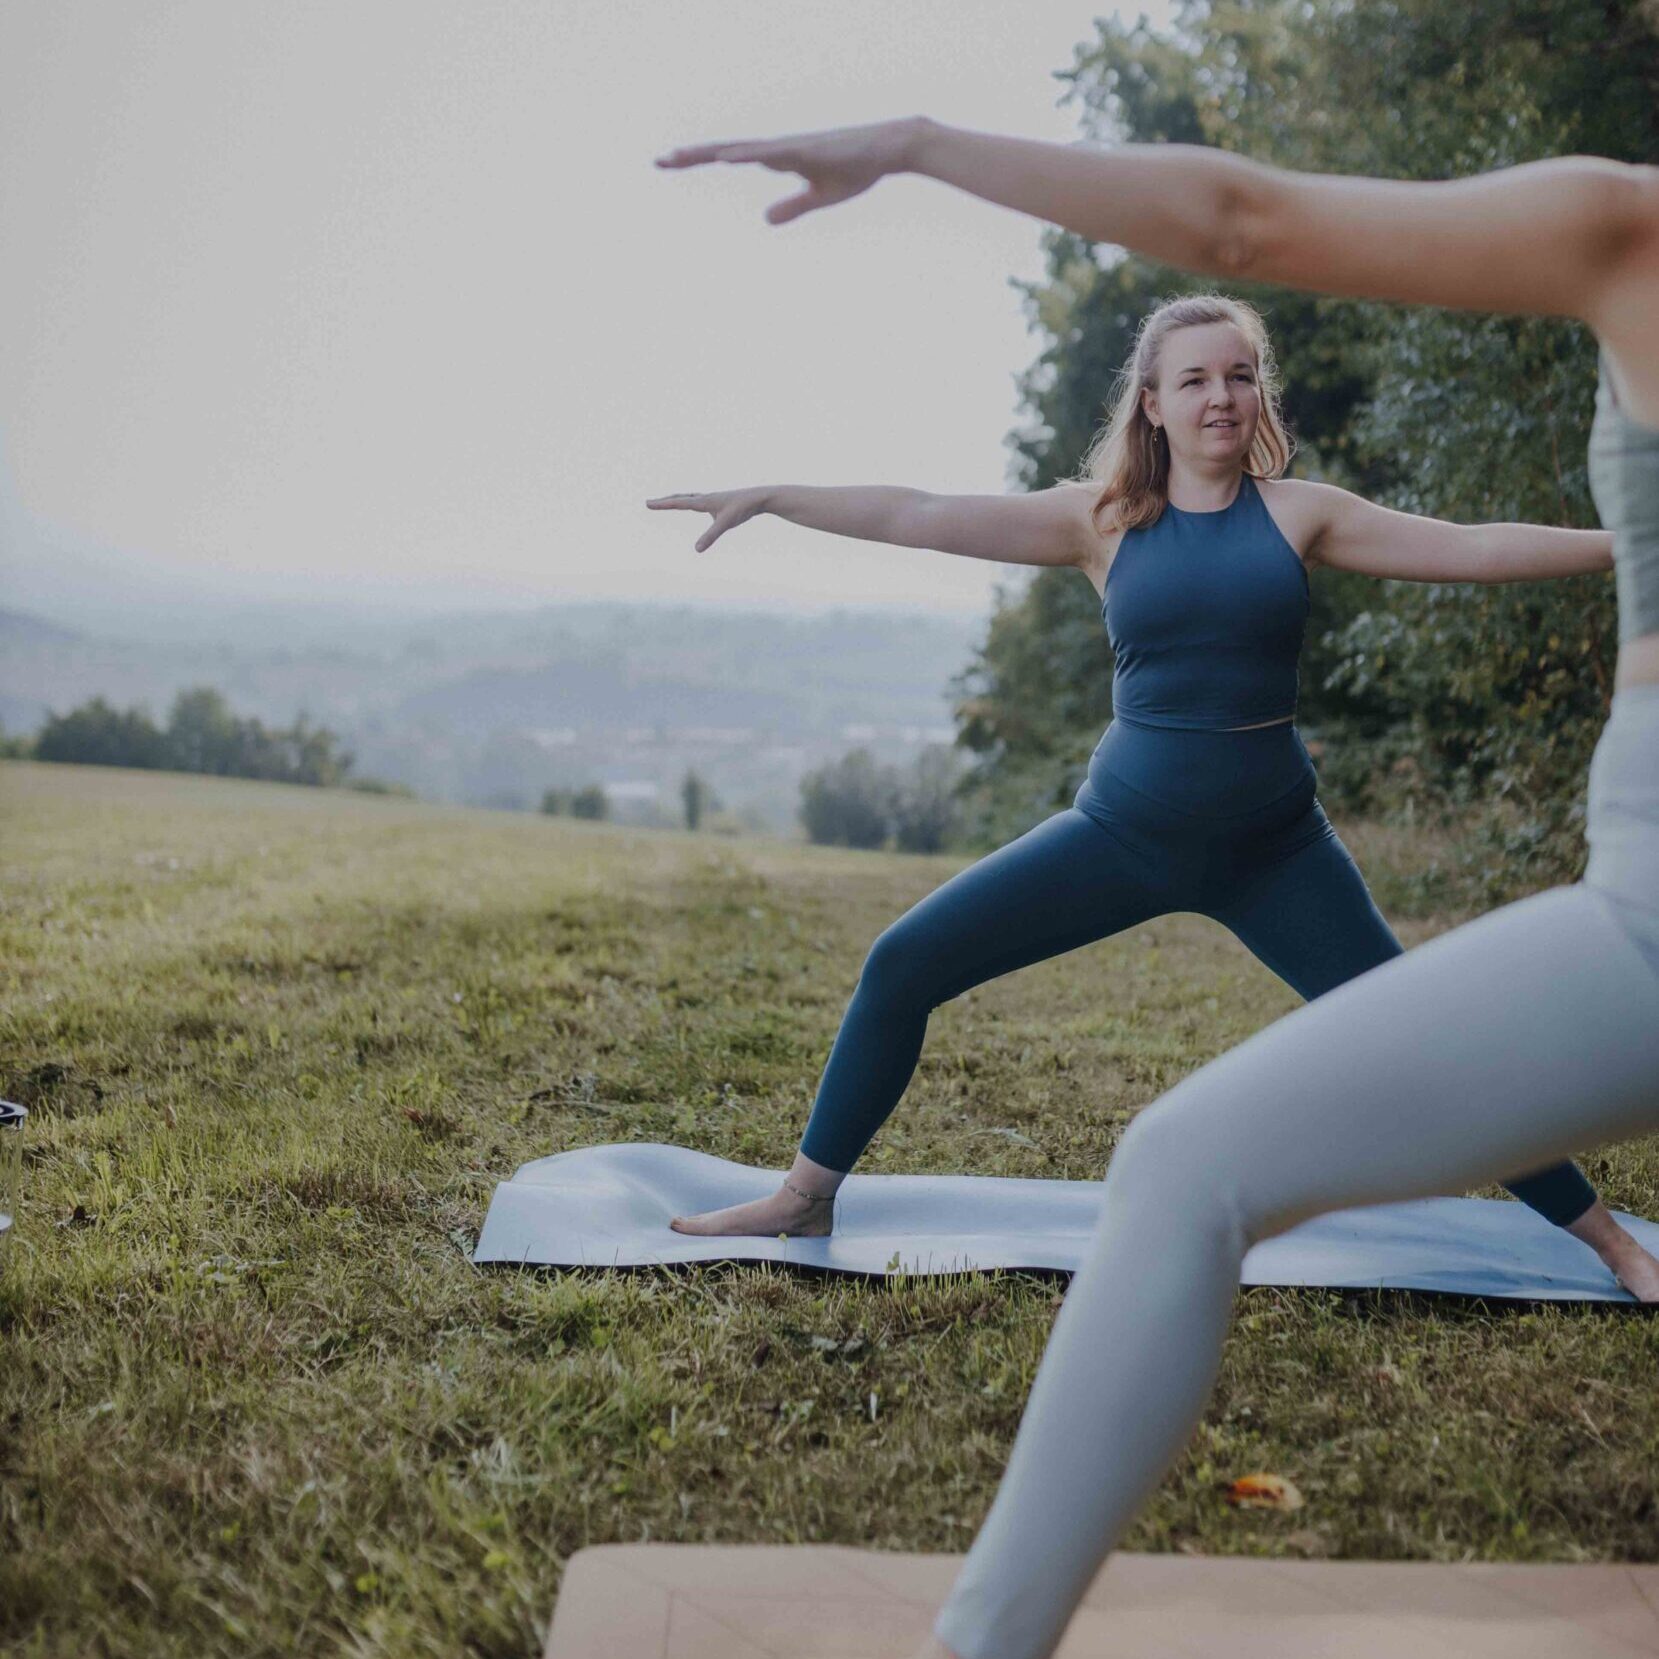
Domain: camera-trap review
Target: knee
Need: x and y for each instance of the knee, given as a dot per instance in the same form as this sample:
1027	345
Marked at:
1161	1167
1152	1155
899	969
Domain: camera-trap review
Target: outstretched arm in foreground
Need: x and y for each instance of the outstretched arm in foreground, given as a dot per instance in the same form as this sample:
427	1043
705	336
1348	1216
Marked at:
1574	236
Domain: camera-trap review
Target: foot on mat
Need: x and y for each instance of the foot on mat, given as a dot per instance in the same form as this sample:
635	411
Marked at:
783	1211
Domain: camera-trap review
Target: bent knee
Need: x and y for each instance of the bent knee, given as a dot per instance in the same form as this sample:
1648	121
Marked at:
1161	1162
902	966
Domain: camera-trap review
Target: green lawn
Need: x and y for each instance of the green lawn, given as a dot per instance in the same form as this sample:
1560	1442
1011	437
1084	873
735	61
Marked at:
280	1043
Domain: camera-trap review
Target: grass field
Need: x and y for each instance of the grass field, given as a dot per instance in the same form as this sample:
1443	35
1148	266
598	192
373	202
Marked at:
280	1043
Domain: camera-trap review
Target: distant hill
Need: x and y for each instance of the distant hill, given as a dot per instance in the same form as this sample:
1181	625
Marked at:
23	628
22	638
498	706
492	706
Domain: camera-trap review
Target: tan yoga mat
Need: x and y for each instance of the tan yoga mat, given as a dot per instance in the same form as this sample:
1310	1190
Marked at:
697	1601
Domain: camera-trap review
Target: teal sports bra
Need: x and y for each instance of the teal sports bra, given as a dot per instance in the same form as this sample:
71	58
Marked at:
1205	612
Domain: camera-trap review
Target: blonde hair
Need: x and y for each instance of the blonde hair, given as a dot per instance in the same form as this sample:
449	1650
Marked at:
1130	459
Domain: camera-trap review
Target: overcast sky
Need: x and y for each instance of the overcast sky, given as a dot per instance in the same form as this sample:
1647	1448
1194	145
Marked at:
392	289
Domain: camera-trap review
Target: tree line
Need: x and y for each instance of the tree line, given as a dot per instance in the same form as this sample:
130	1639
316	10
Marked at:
201	734
857	802
851	802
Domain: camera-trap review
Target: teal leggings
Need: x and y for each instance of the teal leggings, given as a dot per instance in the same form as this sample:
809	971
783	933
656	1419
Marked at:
1224	824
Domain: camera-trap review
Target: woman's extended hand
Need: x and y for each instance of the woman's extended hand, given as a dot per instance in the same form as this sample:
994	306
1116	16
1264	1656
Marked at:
837	165
728	507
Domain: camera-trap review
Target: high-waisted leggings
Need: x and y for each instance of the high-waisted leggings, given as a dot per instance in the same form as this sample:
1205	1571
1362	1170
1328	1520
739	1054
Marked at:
1530	1032
1222	823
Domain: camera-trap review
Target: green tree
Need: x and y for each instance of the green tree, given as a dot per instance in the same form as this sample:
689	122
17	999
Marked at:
97	734
201	735
204	736
694	795
591	802
925	811
848	803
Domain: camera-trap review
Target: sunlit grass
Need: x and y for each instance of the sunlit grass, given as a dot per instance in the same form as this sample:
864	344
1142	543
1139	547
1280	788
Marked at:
279	1044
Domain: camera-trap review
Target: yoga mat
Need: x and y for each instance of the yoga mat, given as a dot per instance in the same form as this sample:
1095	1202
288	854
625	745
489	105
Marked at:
609	1207
770	1601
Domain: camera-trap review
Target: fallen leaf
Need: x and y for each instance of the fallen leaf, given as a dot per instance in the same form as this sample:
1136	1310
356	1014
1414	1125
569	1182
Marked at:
1263	1492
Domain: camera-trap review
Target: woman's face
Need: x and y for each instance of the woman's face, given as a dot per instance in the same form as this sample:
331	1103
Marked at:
1206	399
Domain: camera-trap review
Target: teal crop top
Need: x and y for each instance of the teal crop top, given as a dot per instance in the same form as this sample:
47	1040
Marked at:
1205	612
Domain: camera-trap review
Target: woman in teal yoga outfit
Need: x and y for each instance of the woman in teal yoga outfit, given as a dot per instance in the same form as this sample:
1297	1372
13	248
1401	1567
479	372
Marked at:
1502	1044
1200	797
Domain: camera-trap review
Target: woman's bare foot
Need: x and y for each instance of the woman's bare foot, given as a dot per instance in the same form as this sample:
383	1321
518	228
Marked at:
1635	1268
780	1212
803	1207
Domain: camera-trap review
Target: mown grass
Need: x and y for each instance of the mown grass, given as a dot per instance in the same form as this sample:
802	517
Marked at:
279	1044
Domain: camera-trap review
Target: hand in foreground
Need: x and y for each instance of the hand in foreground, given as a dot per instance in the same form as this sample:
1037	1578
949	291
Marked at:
837	165
728	507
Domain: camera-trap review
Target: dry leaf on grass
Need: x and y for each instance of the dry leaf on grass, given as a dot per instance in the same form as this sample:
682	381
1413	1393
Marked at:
1263	1492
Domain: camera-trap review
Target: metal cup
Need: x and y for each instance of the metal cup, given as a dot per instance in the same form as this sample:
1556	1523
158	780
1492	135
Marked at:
12	1119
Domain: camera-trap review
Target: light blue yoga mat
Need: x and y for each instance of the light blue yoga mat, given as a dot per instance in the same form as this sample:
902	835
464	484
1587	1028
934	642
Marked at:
609	1206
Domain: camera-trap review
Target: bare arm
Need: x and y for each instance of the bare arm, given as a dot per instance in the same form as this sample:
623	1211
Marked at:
1573	236
1358	535
1046	527
1542	238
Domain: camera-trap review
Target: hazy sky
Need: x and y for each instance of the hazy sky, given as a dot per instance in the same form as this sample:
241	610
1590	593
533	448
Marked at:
357	289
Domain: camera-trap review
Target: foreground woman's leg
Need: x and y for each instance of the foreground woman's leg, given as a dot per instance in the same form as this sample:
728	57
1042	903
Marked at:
1495	1047
1311	919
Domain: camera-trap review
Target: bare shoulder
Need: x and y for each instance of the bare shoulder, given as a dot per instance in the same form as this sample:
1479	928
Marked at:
1303	510
1625	308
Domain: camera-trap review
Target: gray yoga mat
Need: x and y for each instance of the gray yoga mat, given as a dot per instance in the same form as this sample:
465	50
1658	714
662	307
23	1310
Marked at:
609	1206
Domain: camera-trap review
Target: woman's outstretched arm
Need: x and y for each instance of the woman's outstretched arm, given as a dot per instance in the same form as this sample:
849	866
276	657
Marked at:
1552	237
1046	527
1540	238
1358	535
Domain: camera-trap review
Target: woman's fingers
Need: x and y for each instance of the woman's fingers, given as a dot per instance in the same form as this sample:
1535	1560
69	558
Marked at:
722	523
697	155
792	207
773	152
725	514
692	155
834	166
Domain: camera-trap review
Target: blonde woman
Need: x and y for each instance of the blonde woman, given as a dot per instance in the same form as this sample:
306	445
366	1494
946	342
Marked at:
1503	1044
1200	796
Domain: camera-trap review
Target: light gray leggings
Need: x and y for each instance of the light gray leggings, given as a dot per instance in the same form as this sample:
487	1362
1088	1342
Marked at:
1528	1035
